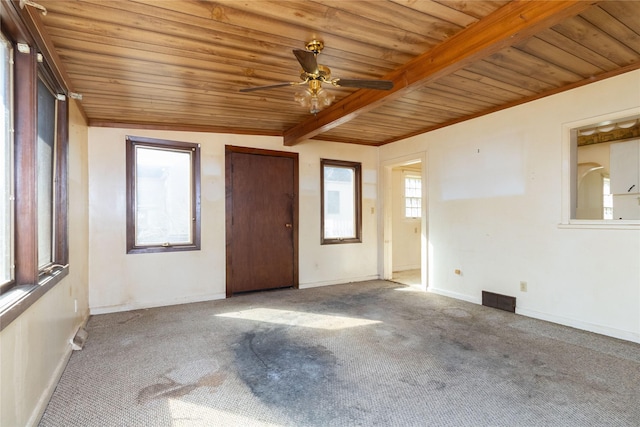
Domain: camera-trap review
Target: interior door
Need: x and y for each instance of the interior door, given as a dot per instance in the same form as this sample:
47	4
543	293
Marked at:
261	212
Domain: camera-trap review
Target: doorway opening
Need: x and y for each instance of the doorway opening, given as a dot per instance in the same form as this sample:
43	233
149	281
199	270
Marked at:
405	259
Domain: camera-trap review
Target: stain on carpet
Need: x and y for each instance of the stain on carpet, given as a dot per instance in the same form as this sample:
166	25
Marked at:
133	316
183	380
456	312
169	389
282	371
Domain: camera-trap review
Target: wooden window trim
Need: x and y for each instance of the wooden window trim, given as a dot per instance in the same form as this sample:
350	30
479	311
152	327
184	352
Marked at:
30	282
61	187
357	167
131	143
26	170
26	177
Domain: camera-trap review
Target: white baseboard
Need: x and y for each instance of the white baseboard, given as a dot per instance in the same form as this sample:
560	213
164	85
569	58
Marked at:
578	324
152	304
47	392
337	282
573	323
455	295
210	297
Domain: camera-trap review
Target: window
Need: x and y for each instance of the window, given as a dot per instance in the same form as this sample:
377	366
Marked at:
412	197
6	162
40	244
341	202
163	195
34	250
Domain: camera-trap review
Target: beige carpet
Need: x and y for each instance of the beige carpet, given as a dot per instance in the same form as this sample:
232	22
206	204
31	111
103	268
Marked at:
364	354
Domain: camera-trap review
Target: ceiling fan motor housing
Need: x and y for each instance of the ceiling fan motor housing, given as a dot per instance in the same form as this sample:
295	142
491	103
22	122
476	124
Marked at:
323	74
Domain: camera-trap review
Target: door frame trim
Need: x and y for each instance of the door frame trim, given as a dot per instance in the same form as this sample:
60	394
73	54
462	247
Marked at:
228	151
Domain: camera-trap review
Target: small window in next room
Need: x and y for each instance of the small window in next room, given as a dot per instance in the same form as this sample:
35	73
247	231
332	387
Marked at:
163	195
412	197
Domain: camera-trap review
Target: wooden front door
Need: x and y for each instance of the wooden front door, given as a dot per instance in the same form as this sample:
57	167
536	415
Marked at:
261	219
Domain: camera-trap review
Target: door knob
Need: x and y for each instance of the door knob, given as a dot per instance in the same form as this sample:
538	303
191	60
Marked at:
288	225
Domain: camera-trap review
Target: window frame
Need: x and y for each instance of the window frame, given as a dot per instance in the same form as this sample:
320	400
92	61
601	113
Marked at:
30	282
27	73
357	190
161	144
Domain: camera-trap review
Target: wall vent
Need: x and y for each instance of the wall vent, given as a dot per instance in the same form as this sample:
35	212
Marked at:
501	302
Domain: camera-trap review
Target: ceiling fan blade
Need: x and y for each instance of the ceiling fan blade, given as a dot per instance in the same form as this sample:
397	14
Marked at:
251	89
307	60
364	84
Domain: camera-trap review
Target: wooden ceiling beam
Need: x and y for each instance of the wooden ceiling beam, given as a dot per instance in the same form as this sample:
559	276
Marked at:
514	22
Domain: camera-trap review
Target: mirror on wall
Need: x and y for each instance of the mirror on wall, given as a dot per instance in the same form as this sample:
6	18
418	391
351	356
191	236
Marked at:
607	170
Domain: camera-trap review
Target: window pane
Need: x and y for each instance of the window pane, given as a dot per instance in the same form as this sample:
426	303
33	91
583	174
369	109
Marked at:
6	163
163	197
333	202
46	143
339	206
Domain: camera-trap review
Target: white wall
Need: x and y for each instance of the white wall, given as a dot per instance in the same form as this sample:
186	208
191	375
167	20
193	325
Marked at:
406	231
35	347
495	188
123	282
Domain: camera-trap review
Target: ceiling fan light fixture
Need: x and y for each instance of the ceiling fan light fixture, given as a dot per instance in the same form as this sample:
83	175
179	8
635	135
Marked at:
314	99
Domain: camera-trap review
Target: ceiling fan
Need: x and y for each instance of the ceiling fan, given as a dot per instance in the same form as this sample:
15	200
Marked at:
313	75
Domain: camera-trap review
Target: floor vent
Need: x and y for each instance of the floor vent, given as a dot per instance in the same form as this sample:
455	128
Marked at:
501	302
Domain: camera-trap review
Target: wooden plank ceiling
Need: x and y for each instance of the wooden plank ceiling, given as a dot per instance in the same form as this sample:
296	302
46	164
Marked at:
180	64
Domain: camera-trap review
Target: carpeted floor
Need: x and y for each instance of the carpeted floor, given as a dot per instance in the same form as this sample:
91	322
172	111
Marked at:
364	354
407	277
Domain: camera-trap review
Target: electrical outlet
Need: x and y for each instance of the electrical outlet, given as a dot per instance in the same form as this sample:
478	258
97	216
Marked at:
523	286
